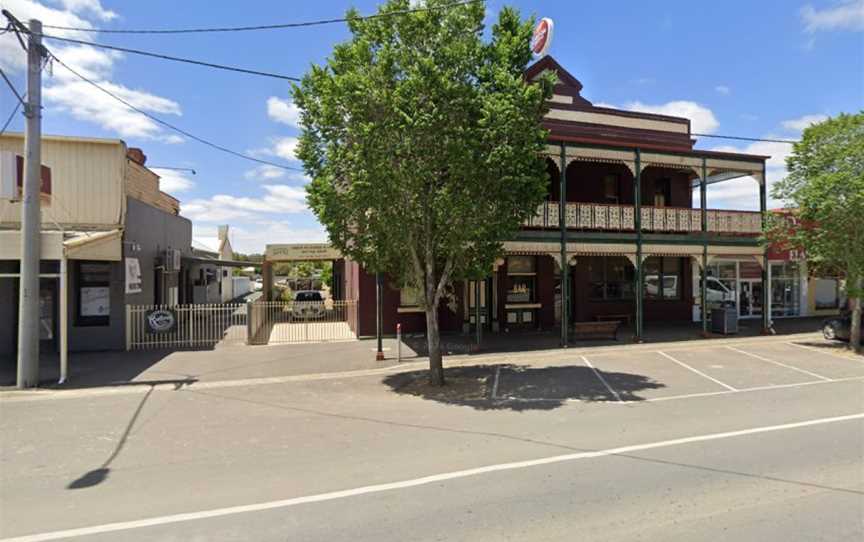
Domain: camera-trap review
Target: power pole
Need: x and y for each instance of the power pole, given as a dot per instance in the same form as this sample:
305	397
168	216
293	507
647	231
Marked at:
31	222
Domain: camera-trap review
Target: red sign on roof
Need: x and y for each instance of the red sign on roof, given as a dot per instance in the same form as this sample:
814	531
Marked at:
542	37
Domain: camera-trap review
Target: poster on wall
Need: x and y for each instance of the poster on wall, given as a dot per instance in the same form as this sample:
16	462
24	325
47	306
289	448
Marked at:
95	301
133	276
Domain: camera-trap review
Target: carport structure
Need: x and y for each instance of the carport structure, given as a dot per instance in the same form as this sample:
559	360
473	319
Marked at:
303	320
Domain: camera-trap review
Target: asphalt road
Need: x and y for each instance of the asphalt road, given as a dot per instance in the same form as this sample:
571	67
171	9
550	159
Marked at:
672	455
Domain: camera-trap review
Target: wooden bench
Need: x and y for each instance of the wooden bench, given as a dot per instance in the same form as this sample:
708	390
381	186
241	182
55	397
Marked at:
623	318
596	330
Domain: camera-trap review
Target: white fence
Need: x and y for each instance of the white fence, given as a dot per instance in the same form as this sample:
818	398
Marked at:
185	326
261	322
302	321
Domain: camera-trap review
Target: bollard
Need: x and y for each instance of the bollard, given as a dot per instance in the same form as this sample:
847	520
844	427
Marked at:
398	343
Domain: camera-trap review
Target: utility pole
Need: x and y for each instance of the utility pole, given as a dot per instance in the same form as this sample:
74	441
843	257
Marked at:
31	222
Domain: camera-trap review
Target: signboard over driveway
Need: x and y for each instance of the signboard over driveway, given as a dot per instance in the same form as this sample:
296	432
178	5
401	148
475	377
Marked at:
301	252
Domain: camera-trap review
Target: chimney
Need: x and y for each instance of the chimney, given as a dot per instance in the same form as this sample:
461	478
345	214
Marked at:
223	232
136	155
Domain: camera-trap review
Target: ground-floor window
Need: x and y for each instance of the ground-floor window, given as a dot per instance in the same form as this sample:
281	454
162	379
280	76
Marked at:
826	294
409	297
611	278
521	279
93	292
662	278
722	285
785	289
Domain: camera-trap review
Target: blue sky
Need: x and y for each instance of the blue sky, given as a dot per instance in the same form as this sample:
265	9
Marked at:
737	67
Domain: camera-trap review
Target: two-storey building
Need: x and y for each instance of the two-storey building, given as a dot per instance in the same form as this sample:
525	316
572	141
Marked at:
618	236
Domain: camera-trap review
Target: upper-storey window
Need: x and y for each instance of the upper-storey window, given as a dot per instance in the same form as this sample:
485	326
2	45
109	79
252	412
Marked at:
662	192
611	189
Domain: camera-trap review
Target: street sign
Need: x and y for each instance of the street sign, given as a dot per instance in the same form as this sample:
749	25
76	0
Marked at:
542	38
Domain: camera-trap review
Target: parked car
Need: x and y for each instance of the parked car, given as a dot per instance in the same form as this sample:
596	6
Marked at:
307	305
839	328
718	294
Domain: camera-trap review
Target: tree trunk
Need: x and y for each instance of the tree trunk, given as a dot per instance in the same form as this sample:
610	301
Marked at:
433	341
855	335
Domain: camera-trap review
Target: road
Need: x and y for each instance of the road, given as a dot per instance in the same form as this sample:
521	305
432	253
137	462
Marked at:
672	455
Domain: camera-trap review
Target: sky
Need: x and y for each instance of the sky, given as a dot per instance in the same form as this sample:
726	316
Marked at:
738	67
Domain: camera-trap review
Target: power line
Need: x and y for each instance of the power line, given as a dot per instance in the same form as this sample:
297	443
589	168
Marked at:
169	125
12	87
9	120
740	138
174	58
268	26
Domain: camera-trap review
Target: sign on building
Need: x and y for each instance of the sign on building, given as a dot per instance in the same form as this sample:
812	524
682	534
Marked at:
133	276
542	37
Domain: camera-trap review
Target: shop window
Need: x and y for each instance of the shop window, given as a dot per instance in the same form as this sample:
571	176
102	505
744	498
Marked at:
662	278
93	293
827	294
409	297
521	279
662	192
611	278
611	189
785	289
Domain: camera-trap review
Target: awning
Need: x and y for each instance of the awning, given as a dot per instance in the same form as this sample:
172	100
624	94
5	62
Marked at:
217	263
105	245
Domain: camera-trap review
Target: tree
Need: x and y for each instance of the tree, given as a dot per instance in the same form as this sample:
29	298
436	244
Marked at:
826	185
423	143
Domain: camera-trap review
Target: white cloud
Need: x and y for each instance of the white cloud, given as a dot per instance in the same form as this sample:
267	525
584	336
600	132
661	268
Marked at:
253	237
844	15
285	147
702	119
265	172
65	92
94	7
723	89
799	124
278	198
283	111
172	181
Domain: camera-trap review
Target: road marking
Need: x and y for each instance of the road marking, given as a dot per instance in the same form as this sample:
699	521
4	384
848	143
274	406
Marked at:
692	395
757	356
495	383
603	380
416	482
697	371
820	351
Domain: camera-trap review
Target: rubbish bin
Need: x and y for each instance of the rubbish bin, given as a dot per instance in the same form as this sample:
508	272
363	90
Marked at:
724	320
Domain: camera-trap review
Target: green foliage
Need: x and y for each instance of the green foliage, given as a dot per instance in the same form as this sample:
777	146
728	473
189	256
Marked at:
423	142
826	186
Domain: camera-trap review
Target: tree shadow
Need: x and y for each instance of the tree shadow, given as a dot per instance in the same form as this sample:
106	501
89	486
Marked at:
521	387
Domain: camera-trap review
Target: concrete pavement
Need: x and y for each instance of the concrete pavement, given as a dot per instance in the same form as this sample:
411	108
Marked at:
91	461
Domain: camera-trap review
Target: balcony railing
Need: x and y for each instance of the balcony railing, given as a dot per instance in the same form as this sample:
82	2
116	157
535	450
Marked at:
597	216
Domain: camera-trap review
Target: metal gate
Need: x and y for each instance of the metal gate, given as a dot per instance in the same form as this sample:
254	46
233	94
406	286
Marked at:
271	322
185	326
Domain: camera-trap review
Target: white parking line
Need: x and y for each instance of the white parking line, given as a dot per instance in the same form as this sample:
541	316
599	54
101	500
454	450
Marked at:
792	367
697	371
495	383
820	351
603	380
691	395
416	482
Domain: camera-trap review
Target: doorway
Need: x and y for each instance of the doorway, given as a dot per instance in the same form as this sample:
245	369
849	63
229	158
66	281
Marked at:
48	315
750	298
